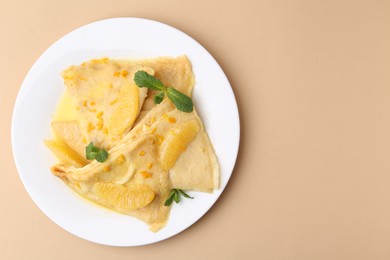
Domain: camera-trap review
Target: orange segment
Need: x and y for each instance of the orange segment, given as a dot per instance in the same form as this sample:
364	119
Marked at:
65	154
176	142
126	109
130	198
69	133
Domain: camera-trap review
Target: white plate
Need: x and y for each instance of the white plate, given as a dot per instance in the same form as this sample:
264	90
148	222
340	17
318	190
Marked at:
42	88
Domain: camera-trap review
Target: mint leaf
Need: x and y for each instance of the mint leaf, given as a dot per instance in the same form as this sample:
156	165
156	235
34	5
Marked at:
169	201
174	196
172	192
143	79
101	156
159	98
185	194
92	152
181	101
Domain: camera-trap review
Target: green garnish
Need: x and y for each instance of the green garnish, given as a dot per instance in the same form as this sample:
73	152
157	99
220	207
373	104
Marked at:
143	79
92	152
174	195
159	97
180	100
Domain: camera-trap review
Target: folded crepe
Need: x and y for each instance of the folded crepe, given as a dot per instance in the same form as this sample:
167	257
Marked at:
165	149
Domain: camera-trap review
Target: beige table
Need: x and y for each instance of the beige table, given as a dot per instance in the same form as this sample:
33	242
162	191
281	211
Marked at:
313	85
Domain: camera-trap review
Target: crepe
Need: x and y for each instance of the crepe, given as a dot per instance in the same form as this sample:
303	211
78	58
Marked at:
166	148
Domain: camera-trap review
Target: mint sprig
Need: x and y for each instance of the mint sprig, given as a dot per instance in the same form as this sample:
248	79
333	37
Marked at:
181	101
92	152
174	196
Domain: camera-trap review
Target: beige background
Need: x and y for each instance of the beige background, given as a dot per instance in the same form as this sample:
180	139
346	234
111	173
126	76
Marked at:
312	81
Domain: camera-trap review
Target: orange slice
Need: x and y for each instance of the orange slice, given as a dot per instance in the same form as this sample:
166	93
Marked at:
126	109
130	198
65	154
176	142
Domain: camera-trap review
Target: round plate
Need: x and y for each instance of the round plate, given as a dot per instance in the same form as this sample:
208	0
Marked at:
42	88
